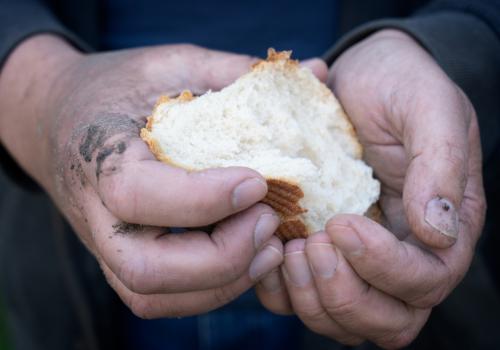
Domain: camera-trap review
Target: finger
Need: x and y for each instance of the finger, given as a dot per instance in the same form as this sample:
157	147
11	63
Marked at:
473	208
217	69
304	296
355	305
148	261
435	137
318	68
270	255
193	67
220	69
272	293
396	267
178	304
141	190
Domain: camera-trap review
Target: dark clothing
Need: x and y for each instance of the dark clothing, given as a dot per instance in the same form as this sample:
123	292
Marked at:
248	27
56	295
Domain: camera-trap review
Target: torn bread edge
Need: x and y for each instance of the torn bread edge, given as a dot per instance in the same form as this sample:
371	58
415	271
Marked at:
283	194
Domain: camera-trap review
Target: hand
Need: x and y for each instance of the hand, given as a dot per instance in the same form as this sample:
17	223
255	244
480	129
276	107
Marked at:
360	280
76	130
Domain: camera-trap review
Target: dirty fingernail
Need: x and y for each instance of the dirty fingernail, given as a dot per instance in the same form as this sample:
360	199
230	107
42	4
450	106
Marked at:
264	262
248	192
322	259
264	229
441	214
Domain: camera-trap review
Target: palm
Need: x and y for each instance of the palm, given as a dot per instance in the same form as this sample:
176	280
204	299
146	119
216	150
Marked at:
119	198
405	137
386	154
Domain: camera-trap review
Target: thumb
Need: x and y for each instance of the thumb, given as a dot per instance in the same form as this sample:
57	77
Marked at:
436	139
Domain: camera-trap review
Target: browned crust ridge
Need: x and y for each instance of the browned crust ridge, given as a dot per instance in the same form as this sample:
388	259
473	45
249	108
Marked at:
284	196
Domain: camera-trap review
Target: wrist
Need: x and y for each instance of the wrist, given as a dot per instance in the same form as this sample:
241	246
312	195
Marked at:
30	81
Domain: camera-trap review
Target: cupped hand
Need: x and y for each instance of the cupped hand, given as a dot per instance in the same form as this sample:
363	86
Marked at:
86	152
360	280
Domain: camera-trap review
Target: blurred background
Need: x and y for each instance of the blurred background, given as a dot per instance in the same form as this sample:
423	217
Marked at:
4	345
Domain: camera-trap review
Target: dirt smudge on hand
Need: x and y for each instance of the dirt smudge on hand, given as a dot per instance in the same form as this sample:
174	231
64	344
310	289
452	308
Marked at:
126	228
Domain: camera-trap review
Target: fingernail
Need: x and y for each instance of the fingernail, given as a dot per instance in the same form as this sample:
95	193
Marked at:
348	242
322	259
248	192
440	213
297	269
272	282
264	262
264	229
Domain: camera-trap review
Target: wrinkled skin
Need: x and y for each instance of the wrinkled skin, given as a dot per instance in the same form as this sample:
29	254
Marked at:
359	280
356	280
82	115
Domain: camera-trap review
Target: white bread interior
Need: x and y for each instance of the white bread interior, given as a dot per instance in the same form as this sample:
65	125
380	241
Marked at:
281	121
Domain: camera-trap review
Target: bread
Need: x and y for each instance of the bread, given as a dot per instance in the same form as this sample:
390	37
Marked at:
281	121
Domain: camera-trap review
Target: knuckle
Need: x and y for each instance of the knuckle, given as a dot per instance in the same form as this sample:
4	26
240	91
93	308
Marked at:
313	316
435	291
133	275
232	269
233	261
482	204
120	198
316	320
344	306
112	194
378	260
377	273
430	298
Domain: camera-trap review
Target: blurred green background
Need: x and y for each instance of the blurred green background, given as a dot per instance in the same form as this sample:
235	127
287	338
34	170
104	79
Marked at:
3	329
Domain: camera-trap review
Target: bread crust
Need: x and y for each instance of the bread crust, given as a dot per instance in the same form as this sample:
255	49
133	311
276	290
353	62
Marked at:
284	197
146	135
283	194
375	213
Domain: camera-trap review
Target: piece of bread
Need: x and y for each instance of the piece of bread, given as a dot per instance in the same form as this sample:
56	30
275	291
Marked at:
281	121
